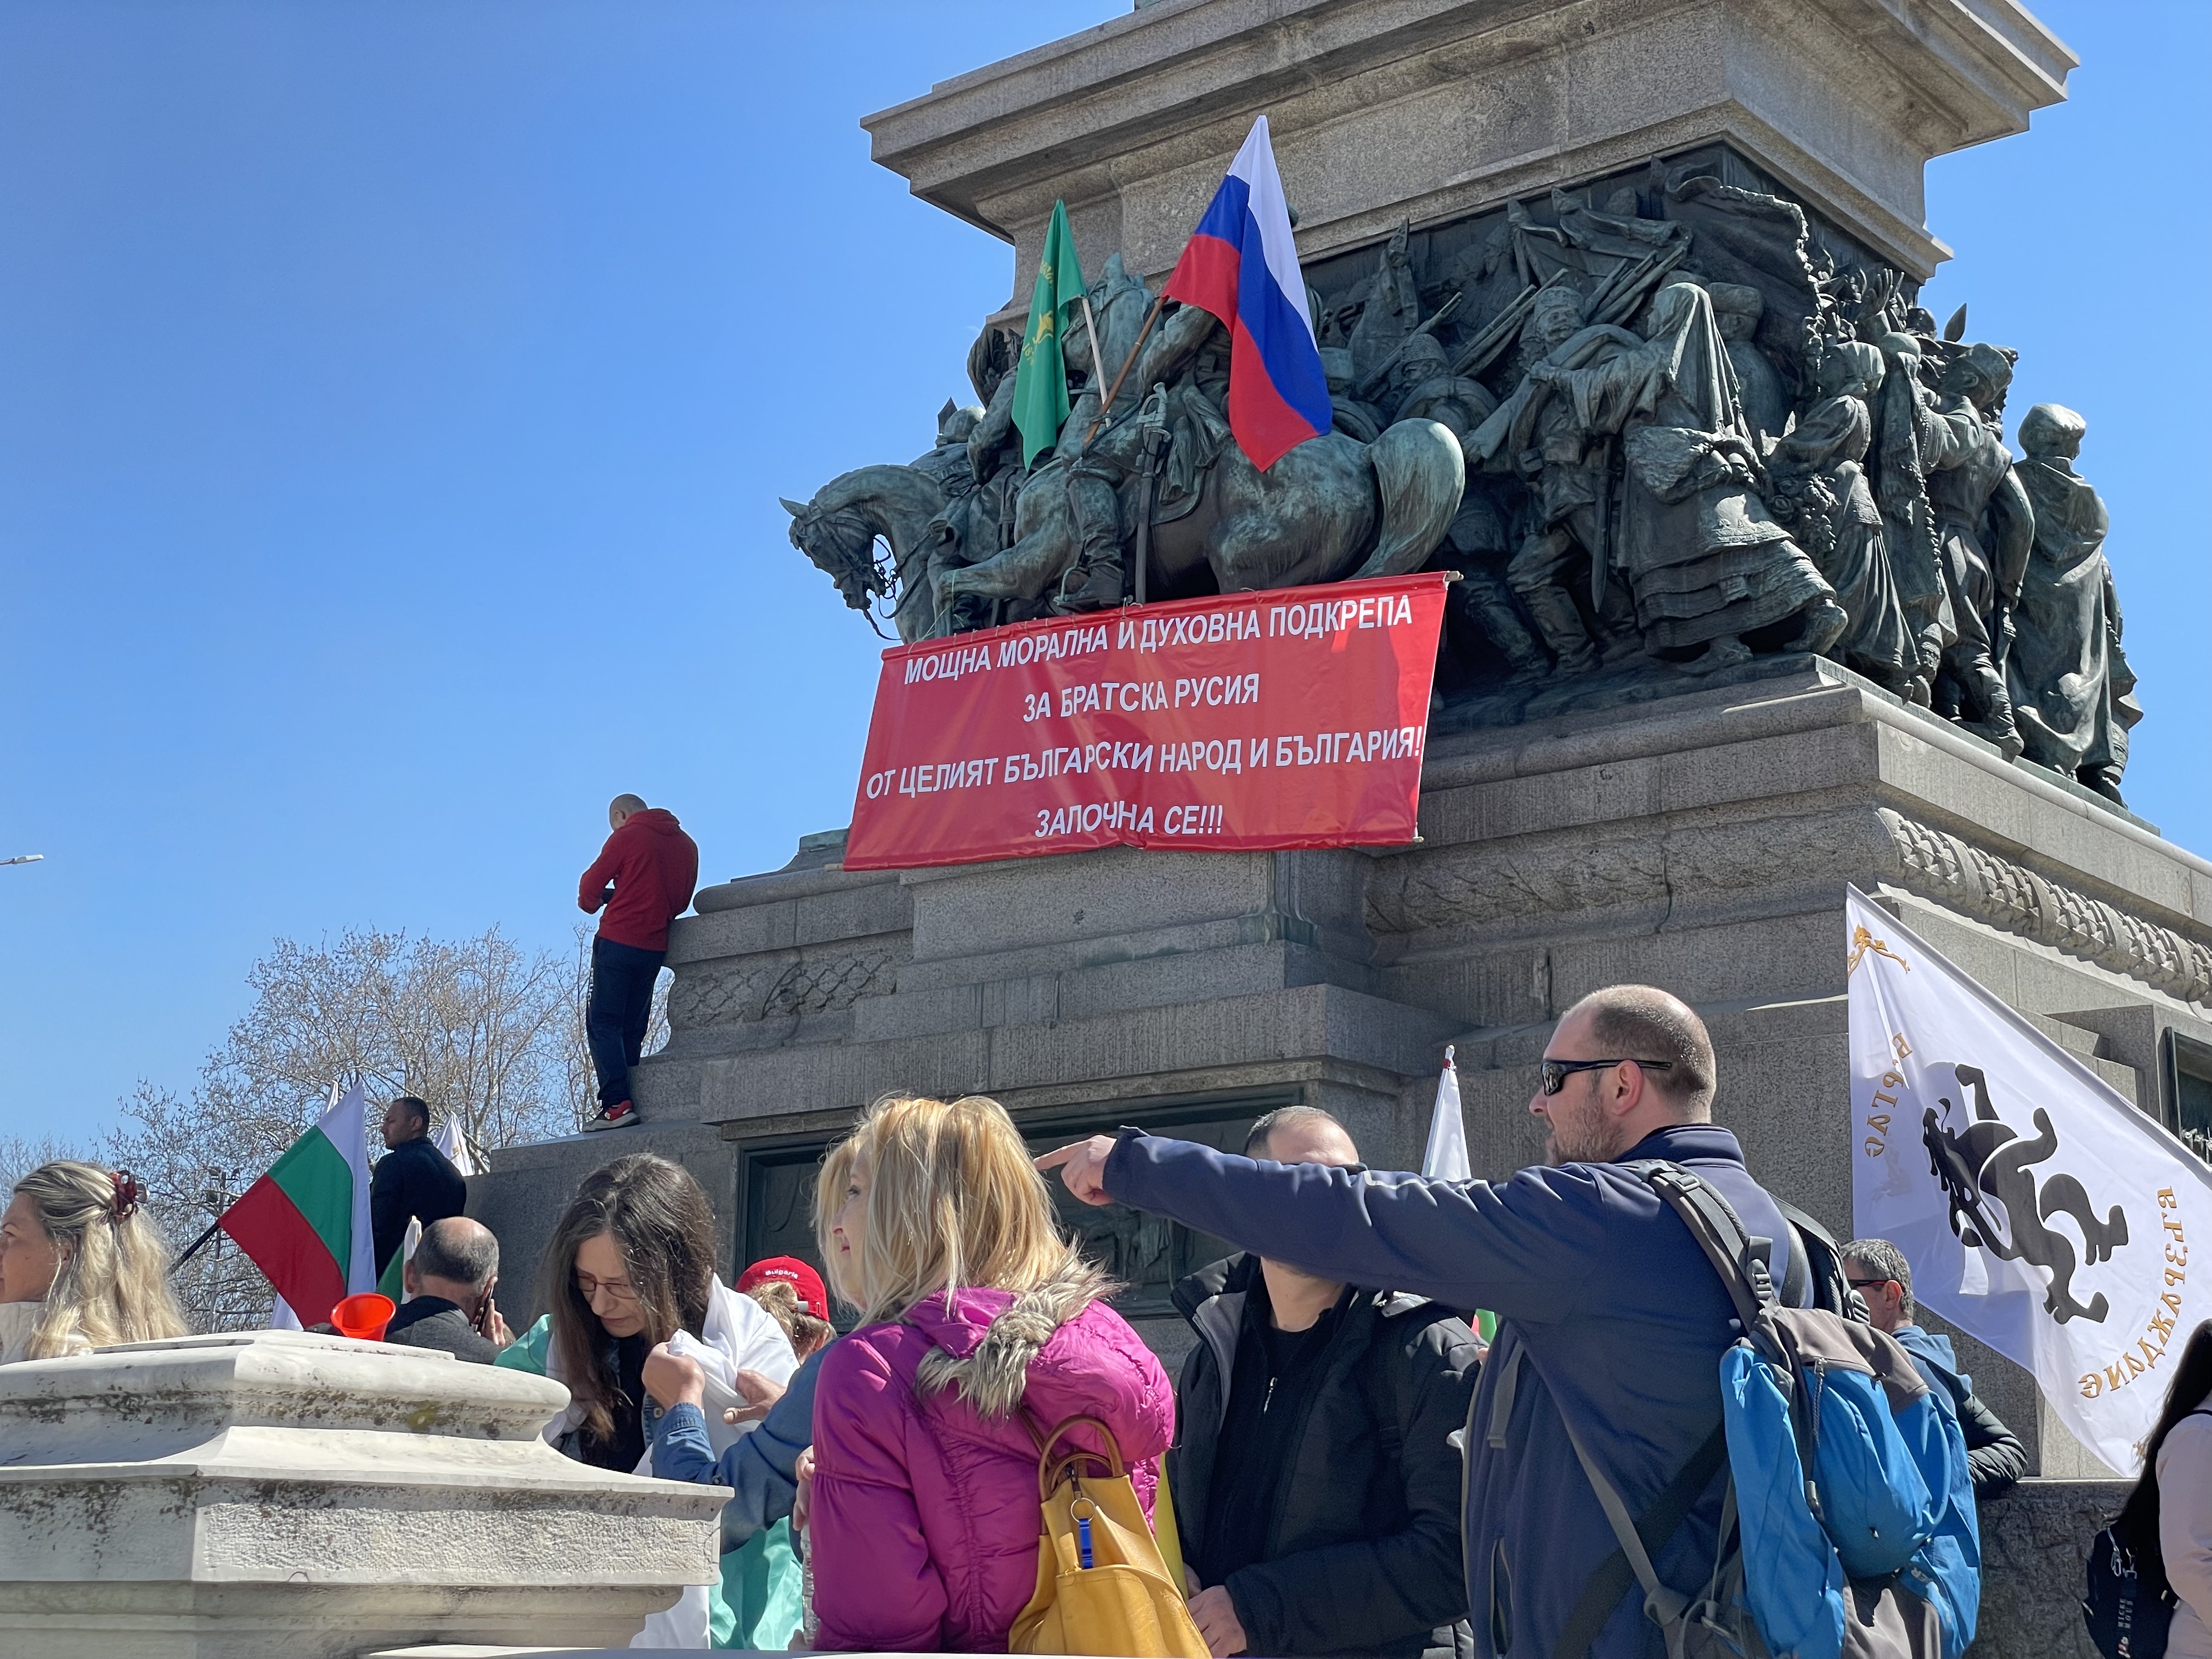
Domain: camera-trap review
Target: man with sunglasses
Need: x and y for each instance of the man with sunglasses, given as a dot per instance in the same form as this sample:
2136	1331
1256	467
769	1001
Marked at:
1878	1271
1612	1323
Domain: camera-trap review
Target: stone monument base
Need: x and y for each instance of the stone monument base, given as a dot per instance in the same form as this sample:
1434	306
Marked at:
1701	841
275	1495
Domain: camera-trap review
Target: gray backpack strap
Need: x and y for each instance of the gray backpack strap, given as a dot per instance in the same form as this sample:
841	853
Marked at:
1736	1256
1501	1399
1663	1606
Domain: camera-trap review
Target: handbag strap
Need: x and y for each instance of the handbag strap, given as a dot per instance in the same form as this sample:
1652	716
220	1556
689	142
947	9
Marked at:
1048	1468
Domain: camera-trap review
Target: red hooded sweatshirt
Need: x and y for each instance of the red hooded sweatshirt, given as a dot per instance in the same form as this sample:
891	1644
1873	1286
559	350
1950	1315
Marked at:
653	866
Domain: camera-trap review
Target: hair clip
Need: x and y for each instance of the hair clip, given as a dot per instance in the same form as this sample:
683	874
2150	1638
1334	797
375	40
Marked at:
126	1194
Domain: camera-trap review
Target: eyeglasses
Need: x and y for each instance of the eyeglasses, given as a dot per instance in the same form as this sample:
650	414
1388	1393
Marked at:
1863	1284
1557	1072
620	1290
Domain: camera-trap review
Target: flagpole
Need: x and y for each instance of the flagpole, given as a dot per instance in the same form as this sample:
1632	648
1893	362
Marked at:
1128	362
197	1244
215	1225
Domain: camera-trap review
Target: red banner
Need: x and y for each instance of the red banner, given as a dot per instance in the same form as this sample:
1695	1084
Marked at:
1290	718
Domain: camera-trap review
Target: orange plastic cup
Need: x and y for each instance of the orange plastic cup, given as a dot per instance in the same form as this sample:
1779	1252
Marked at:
364	1315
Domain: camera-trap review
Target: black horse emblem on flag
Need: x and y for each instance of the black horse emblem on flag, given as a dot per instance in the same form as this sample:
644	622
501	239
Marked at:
1986	1162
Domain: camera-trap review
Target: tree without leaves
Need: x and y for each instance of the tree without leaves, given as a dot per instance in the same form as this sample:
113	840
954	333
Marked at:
479	1028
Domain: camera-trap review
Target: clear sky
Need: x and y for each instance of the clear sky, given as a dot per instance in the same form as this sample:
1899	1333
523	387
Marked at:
395	396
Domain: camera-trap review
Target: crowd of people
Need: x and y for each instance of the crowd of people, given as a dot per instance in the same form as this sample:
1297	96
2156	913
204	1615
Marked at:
1341	1466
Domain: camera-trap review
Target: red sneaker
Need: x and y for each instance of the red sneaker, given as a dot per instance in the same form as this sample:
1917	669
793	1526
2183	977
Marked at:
620	1116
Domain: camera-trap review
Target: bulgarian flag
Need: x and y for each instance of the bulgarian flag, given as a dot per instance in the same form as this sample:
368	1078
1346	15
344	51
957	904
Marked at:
305	1223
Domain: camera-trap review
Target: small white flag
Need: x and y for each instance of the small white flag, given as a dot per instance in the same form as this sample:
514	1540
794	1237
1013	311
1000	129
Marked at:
2041	1212
447	1139
1446	1156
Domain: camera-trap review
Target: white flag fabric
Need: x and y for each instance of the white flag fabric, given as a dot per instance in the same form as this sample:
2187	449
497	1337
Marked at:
2041	1212
1446	1156
447	1139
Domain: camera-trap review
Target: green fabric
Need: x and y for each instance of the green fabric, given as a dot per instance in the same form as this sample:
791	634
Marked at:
758	1603
314	1174
528	1352
1041	381
1485	1324
393	1284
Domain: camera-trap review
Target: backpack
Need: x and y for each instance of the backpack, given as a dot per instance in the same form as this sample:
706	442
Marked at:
1848	1526
2127	1609
2127	1612
1102	1585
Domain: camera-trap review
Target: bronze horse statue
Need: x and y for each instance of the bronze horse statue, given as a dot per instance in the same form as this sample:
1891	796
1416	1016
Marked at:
1330	509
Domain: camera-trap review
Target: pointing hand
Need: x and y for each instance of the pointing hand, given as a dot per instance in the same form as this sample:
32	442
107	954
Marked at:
1083	1167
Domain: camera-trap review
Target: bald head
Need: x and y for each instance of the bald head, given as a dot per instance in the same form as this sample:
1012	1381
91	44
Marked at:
457	1259
622	806
1642	1022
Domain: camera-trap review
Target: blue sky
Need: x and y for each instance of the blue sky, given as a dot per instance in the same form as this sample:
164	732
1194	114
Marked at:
394	398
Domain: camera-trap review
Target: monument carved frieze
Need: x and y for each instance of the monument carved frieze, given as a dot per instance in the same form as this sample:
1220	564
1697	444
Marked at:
778	987
1660	423
1529	883
1955	873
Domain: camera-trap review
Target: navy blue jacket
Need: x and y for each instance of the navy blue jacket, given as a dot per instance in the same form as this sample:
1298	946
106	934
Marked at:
760	1470
1621	1319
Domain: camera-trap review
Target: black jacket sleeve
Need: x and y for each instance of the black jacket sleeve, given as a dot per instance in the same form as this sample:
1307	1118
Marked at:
1366	1594
1995	1456
388	1206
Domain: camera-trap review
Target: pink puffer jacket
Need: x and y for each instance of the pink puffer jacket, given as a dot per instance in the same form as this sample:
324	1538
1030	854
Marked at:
924	1533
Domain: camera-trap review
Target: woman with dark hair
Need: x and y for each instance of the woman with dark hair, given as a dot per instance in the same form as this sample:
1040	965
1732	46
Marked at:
630	1266
2168	1516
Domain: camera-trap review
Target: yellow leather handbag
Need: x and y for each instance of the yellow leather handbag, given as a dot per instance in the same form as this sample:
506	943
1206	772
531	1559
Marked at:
1101	1585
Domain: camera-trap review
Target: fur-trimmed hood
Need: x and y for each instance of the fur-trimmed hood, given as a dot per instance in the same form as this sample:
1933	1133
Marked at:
991	1346
924	1524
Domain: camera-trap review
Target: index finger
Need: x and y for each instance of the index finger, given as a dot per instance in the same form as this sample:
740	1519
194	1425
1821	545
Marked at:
1053	1160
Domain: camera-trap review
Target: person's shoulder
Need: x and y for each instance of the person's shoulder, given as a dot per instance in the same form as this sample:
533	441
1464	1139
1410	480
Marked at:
868	1358
2188	1441
1419	1329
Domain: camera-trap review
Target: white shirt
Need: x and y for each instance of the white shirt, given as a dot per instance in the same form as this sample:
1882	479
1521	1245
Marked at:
2185	1533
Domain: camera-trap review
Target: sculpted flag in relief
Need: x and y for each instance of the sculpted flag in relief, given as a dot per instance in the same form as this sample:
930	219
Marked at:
2042	1212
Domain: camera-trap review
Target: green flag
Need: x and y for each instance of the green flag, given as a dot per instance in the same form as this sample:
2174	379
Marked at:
1041	381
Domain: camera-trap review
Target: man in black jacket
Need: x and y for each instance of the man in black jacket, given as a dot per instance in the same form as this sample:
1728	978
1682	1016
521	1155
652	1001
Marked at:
1879	1273
1316	1483
412	1181
449	1285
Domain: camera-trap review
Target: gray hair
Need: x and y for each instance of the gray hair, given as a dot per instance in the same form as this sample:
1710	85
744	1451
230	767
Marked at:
459	1250
1886	1259
1283	1117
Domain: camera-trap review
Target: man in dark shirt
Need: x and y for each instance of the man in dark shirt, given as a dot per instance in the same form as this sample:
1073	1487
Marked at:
450	1280
413	1181
642	879
1879	1273
1318	1491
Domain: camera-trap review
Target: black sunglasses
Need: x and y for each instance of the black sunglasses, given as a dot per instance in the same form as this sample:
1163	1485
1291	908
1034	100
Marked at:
1557	1072
1861	1284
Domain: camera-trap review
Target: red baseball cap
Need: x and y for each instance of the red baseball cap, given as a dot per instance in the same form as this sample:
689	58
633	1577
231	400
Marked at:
793	1272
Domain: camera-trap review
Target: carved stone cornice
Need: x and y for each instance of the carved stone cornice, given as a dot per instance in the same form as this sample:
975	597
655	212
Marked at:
1955	873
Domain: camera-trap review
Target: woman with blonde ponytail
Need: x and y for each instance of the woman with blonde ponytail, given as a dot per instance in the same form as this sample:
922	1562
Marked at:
81	1266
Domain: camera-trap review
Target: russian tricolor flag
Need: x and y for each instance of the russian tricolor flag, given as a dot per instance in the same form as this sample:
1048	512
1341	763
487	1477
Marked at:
1242	265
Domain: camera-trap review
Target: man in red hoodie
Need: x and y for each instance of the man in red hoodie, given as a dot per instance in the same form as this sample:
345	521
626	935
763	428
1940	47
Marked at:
644	877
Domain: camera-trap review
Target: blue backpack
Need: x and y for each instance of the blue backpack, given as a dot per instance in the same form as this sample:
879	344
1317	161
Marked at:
1849	1528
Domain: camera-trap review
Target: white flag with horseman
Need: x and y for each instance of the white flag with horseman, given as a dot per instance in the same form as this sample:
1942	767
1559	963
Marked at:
2041	1211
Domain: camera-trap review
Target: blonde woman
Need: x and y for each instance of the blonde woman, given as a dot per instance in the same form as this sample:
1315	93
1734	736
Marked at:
80	1265
983	1330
